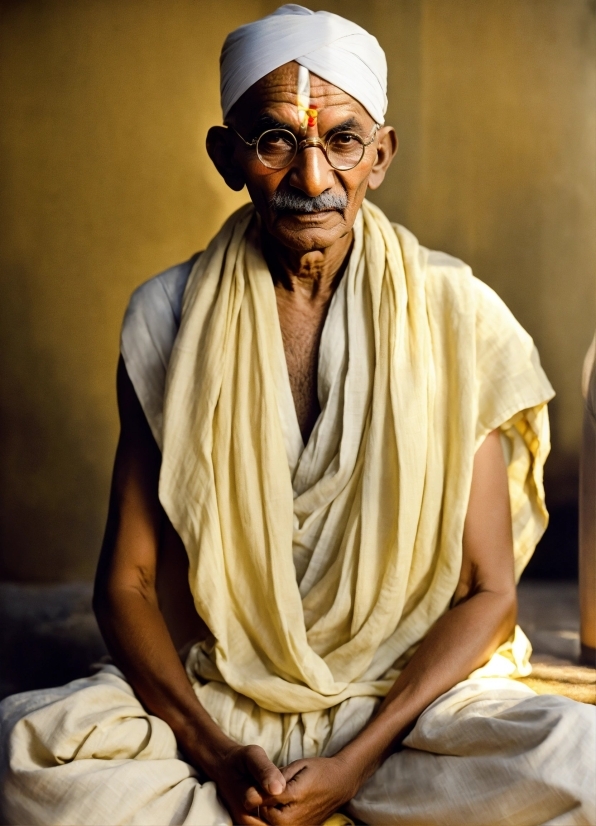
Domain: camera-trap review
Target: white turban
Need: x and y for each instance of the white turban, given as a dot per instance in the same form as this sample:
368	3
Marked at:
326	44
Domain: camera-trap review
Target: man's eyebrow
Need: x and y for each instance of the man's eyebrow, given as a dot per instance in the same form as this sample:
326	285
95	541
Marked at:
267	121
350	123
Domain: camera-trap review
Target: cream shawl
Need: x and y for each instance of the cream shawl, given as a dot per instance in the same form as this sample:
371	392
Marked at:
320	568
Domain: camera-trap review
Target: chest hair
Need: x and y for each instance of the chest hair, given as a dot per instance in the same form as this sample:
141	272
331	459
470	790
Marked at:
301	328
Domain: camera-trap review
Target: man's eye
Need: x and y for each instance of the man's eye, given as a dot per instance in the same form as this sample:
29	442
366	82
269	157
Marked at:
343	140
276	139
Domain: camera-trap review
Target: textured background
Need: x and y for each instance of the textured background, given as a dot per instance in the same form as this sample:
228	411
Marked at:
105	181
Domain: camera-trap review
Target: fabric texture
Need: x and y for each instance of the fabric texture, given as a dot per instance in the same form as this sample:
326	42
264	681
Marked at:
355	537
333	48
488	751
150	326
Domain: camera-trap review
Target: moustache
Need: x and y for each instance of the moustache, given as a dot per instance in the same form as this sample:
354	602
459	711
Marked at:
296	202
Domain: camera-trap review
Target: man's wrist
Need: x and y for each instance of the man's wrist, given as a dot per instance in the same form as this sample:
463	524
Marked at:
206	746
352	771
361	757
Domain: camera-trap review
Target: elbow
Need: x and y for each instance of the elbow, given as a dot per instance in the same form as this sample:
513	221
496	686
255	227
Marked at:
105	601
508	613
116	592
499	612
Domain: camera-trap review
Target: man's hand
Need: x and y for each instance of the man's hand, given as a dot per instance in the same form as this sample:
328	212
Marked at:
244	775
315	789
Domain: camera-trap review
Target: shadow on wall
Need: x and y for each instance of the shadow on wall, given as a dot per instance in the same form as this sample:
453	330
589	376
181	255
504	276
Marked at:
54	483
556	556
105	181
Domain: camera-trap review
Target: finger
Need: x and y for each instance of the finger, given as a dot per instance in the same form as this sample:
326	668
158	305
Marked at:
292	769
256	818
266	773
297	787
278	815
294	790
250	820
254	798
287	796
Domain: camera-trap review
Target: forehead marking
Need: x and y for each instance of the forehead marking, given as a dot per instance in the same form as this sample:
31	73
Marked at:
307	113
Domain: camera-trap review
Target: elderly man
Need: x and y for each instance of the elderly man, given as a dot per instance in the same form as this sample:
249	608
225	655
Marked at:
339	436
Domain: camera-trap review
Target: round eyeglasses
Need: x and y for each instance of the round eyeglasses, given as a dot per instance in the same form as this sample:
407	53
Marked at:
277	148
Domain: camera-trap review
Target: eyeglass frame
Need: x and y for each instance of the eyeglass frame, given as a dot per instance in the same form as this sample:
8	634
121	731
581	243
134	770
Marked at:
306	143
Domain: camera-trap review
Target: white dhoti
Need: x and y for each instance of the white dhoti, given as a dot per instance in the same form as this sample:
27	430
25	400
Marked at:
489	751
319	568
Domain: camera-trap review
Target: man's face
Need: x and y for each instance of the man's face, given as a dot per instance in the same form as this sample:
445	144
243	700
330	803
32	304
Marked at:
285	198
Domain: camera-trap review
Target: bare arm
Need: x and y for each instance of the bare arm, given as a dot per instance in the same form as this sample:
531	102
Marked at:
462	640
126	605
465	637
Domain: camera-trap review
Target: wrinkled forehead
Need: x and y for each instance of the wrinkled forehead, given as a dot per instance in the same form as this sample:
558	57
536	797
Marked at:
276	95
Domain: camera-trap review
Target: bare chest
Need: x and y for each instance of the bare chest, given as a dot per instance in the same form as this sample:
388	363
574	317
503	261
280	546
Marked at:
301	328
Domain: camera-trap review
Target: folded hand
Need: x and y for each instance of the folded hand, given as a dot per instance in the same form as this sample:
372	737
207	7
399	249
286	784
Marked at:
315	789
247	769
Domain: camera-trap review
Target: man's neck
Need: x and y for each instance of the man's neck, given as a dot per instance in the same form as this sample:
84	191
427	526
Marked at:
312	276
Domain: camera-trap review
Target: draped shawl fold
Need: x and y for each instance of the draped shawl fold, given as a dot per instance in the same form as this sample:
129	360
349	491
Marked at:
318	569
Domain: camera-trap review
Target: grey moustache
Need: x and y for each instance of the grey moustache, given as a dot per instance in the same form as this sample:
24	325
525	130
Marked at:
297	203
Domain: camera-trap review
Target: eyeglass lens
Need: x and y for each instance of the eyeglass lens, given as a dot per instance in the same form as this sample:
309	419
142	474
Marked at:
277	148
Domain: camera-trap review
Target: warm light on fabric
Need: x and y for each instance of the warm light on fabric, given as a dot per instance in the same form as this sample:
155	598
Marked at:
329	46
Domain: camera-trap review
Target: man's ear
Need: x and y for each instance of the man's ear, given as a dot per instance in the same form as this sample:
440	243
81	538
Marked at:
220	149
387	144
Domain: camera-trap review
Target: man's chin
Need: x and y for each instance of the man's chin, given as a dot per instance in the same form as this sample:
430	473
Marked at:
306	231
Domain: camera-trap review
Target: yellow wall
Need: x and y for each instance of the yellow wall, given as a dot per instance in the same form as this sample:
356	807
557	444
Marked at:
104	106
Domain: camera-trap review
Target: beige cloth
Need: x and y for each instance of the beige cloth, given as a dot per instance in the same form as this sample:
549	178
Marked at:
354	539
488	752
319	569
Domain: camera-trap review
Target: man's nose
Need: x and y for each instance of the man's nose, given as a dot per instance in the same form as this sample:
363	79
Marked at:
311	172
